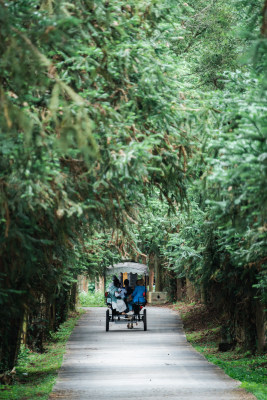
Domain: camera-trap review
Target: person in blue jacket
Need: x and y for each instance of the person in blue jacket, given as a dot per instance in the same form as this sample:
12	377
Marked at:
138	295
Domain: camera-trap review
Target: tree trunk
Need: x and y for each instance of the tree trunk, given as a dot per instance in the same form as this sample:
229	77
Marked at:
100	284
264	20
73	296
190	291
158	274
179	289
261	325
203	294
10	343
23	338
151	278
52	316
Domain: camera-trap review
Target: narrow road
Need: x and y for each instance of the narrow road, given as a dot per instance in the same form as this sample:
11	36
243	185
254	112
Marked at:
133	364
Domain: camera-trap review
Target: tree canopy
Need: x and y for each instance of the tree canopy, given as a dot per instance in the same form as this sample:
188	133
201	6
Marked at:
128	130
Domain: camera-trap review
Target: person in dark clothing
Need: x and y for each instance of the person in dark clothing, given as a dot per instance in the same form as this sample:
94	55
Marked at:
127	291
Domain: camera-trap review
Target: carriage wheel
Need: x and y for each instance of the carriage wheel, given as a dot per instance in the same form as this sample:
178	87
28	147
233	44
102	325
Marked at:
107	320
145	320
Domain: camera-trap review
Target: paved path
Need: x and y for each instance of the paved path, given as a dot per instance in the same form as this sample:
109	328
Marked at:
132	364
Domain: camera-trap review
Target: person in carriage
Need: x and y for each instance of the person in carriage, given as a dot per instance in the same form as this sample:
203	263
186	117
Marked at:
125	292
120	301
115	295
137	298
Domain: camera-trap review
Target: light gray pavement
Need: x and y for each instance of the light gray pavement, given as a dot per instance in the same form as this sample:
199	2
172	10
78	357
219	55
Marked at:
133	364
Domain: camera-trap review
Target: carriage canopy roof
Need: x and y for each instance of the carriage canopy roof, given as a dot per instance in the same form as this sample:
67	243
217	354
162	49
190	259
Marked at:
128	267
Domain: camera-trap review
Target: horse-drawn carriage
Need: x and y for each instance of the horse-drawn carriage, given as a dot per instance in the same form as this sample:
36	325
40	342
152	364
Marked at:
139	314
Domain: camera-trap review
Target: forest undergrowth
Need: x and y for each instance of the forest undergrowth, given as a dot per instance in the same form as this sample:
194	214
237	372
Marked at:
35	373
203	326
91	299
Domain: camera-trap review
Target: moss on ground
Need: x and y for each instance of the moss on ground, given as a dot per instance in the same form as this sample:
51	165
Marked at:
36	373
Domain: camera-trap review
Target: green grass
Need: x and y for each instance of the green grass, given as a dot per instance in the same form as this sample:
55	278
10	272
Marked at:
92	299
204	335
36	373
249	369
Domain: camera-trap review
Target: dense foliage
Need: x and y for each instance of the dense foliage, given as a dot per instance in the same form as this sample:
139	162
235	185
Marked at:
87	129
110	113
220	245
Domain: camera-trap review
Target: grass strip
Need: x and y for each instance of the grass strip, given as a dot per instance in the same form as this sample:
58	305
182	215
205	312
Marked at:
202	330
36	373
92	299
